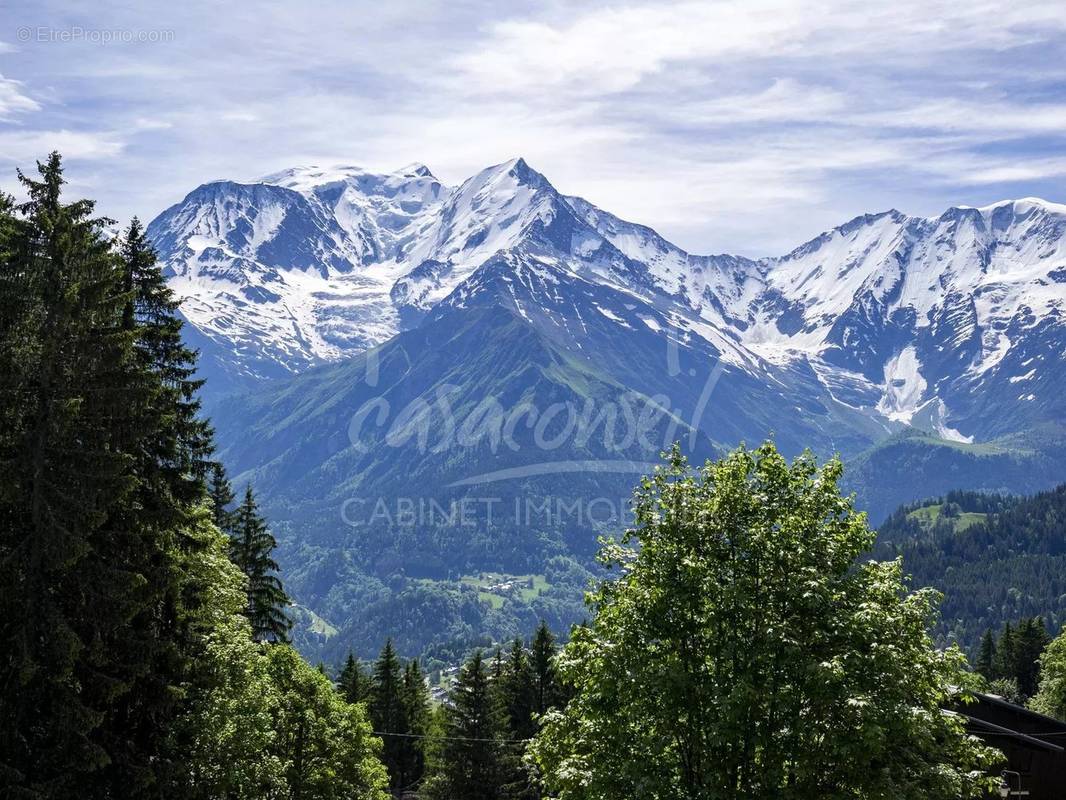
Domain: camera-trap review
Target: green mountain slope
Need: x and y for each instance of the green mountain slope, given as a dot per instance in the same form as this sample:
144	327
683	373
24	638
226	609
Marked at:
995	558
912	465
474	465
505	433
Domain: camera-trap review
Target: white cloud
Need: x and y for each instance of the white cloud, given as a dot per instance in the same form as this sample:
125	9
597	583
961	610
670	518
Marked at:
610	50
785	100
13	100
607	49
23	147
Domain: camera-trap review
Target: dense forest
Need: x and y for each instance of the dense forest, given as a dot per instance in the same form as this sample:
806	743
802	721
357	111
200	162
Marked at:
995	558
144	649
738	642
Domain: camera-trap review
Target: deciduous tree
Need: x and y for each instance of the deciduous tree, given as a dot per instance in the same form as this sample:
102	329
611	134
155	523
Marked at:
745	650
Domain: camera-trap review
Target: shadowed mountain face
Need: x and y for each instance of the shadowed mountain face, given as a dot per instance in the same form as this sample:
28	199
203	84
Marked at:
377	341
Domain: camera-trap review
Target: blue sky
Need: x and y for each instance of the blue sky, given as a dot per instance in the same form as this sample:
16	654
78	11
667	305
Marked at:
727	126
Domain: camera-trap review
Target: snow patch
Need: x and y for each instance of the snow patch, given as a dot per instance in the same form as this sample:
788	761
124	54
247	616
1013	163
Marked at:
904	386
1027	376
612	316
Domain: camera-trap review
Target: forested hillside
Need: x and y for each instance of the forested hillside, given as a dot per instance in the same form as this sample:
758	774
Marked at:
143	650
995	558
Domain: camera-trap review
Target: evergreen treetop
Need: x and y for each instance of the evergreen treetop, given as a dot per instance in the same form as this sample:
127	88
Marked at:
252	548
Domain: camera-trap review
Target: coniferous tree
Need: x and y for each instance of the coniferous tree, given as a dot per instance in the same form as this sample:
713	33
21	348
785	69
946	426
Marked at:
415	700
1005	661
387	712
220	493
986	656
126	669
252	547
547	692
471	755
166	473
67	376
182	442
516	696
353	683
497	665
1030	641
1013	663
90	502
517	691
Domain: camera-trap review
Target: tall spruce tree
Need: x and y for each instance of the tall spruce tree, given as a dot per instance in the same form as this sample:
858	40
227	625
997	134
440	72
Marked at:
123	667
496	671
181	442
353	683
63	327
516	692
387	712
220	493
252	548
1030	642
986	655
547	692
146	538
415	700
472	757
1005	661
89	504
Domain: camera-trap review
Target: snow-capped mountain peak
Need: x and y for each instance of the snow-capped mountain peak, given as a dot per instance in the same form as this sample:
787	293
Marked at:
899	317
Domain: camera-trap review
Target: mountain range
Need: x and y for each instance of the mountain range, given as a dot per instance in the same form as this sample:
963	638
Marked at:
370	339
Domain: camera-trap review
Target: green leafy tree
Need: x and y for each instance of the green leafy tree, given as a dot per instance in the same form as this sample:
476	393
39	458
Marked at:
435	781
252	547
1007	688
1050	698
743	650
223	745
325	744
259	722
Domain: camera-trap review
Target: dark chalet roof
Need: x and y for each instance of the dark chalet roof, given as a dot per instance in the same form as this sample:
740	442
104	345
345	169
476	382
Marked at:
1033	745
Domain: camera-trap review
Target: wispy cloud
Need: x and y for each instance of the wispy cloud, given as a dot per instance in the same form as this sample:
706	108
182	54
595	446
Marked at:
13	100
729	126
23	147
